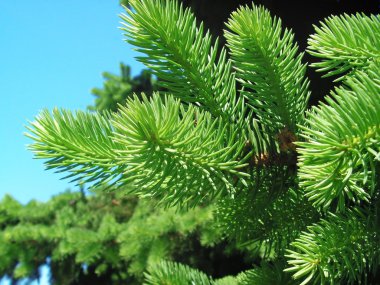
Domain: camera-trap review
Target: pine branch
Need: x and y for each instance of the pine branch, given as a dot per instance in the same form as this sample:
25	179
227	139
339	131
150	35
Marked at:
345	44
266	274
177	155
180	54
173	273
79	143
337	160
266	63
268	215
338	250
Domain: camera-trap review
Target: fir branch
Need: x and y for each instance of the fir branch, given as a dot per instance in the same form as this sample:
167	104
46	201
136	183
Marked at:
79	143
267	64
177	155
345	43
338	250
180	54
173	273
266	274
342	143
277	213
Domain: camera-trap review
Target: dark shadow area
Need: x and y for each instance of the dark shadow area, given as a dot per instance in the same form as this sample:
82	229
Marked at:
299	15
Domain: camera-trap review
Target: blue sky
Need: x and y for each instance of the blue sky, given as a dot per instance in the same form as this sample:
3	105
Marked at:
51	54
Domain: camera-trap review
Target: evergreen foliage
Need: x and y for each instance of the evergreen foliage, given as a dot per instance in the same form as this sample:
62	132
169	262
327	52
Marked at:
176	274
341	149
143	141
179	274
269	68
345	44
190	70
343	247
165	149
297	191
117	89
113	236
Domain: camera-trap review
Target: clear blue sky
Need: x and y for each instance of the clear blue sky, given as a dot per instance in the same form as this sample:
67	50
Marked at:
51	54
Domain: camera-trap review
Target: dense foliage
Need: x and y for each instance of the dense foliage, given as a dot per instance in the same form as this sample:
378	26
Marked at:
297	190
105	238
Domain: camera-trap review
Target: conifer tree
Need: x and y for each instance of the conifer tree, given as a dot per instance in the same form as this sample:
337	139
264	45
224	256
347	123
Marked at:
107	238
297	189
117	89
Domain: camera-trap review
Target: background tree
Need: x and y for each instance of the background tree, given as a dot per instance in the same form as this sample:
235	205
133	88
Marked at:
117	89
106	239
